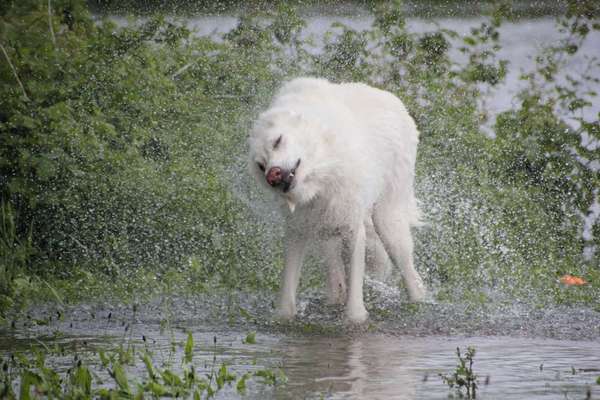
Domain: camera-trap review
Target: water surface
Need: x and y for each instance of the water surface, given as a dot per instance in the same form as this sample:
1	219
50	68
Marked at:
521	353
374	366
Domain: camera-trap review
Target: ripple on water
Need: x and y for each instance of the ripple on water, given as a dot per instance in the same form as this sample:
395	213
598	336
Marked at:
525	352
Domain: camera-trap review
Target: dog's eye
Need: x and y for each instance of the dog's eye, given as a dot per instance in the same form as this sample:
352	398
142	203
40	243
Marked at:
276	144
261	166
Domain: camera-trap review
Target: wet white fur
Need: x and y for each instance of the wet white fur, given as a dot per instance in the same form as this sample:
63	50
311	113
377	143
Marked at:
357	146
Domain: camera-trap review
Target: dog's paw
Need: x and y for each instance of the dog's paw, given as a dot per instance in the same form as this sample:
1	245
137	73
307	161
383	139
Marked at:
417	293
418	297
356	315
285	312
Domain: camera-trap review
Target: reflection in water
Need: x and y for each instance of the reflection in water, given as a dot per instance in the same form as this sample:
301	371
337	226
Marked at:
342	367
386	367
369	366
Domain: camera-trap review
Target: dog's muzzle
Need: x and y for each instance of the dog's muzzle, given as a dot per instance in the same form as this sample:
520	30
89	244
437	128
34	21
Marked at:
283	178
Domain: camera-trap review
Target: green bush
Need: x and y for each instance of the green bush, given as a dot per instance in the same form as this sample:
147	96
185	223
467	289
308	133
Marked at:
113	156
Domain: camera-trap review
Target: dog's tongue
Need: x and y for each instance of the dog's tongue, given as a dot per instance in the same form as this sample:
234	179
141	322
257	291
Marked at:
291	205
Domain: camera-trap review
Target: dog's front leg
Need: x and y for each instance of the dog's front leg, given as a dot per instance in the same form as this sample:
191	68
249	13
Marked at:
355	307
294	256
336	276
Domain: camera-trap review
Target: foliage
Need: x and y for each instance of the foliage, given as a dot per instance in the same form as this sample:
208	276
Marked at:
250	338
112	158
15	252
463	378
34	378
545	148
546	143
122	148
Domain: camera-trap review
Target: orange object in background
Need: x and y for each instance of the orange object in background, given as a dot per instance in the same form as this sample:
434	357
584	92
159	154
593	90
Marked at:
572	280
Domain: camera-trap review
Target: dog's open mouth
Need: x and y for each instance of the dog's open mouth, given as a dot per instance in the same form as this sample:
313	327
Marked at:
289	181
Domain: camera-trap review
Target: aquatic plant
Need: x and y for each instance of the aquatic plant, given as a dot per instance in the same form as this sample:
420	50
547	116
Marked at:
34	377
463	377
250	338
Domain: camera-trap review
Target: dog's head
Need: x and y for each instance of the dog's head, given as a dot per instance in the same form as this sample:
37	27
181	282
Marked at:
284	147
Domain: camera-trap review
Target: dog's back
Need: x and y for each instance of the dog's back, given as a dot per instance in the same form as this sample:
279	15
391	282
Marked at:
374	138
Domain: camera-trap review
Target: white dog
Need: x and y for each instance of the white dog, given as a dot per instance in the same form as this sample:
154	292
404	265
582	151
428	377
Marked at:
342	158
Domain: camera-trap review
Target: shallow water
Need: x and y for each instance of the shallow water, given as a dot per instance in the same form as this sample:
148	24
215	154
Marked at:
369	365
521	352
378	366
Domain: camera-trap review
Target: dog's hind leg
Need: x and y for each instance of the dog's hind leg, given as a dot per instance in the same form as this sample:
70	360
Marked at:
392	223
377	259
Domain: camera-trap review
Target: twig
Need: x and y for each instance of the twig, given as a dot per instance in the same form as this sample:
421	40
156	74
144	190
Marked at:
50	24
212	368
14	70
77	242
44	345
182	69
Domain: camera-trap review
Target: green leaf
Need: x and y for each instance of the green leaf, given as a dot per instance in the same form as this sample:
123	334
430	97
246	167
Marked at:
28	378
156	388
104	393
210	392
221	376
241	385
224	376
170	378
118	374
189	348
148	363
470	41
250	338
268	376
82	378
103	358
